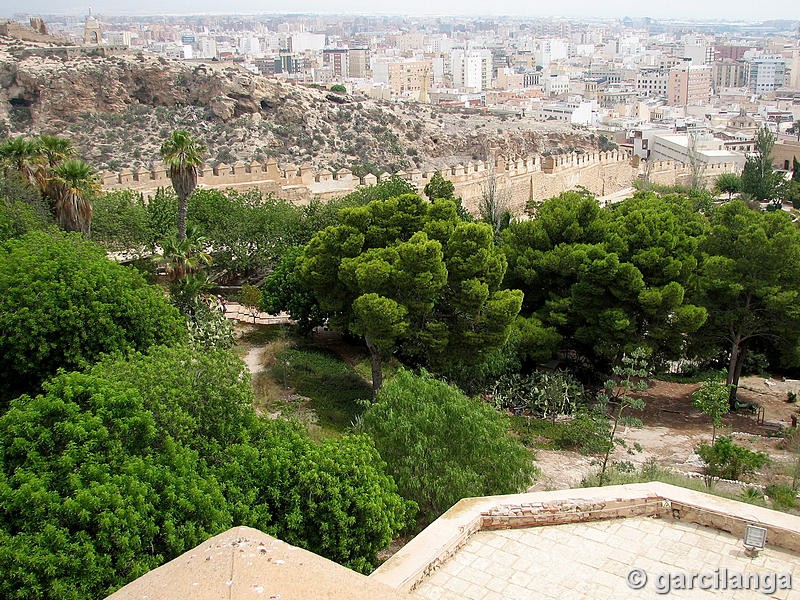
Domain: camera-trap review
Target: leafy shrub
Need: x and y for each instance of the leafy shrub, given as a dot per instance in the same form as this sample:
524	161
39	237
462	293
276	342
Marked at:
441	446
120	221
112	472
587	432
783	497
726	460
541	393
63	304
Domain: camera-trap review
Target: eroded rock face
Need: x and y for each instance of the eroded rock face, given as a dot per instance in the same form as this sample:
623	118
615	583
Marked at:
55	87
117	107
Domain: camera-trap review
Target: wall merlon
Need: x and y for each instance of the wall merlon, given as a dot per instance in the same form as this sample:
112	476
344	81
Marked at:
526	178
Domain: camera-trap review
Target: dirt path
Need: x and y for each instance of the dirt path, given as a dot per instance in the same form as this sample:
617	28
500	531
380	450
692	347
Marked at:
253	359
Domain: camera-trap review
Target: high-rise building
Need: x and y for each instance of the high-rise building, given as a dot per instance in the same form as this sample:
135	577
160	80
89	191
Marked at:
338	59
689	85
359	62
767	74
472	70
729	73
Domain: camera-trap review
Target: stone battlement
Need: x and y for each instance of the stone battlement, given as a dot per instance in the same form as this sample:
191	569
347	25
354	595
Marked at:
521	180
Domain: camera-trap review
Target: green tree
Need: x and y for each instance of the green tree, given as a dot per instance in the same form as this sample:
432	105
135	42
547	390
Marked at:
712	399
54	149
412	279
392	187
728	183
283	291
439	187
338	87
750	285
795	169
21	155
629	377
609	280
120	221
182	155
72	185
758	179
63	304
441	446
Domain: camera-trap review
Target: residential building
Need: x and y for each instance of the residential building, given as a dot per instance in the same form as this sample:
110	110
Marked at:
359	62
652	82
689	85
338	59
767	74
729	73
472	70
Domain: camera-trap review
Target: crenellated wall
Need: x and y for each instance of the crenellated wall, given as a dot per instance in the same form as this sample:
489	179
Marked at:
520	180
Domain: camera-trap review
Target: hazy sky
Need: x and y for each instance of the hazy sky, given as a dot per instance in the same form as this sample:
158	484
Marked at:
727	9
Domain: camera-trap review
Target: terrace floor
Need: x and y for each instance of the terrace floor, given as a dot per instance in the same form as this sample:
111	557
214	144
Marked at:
593	559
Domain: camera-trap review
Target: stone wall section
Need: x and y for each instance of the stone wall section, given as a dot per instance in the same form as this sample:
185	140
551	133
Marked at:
519	181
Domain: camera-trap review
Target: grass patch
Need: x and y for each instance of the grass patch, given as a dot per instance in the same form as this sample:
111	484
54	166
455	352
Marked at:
258	335
651	472
336	391
698	377
537	433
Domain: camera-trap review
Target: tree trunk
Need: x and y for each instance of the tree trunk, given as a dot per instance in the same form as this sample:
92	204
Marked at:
181	218
734	371
377	366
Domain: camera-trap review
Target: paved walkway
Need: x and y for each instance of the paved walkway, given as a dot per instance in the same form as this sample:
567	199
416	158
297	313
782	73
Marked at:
592	560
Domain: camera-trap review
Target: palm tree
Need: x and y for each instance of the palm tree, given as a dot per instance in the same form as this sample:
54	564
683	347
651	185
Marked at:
181	258
72	185
22	155
54	149
182	155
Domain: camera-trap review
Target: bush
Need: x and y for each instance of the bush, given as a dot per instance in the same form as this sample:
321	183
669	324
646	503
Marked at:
63	304
726	460
112	472
783	497
93	494
586	432
120	221
441	446
541	393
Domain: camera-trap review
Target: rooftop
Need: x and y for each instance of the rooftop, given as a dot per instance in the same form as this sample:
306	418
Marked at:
578	543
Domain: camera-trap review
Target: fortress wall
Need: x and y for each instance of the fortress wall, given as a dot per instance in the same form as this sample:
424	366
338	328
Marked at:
518	180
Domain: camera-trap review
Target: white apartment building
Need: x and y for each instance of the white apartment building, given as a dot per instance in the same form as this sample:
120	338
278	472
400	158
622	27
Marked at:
208	47
249	46
767	73
555	85
471	69
550	50
305	41
652	82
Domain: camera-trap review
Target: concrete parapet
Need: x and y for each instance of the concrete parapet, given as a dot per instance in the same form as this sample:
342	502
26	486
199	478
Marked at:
444	537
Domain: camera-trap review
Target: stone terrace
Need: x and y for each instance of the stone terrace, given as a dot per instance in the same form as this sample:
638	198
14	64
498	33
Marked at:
591	560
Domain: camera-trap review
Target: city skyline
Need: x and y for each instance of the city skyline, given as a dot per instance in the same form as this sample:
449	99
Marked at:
682	9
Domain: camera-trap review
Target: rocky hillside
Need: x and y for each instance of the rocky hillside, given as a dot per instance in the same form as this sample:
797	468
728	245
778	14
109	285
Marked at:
118	108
